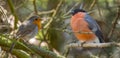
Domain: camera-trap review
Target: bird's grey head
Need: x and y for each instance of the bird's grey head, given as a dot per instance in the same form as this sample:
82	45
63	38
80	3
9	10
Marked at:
76	11
31	19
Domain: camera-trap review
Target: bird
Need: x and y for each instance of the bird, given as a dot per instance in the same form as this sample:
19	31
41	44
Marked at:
85	28
28	29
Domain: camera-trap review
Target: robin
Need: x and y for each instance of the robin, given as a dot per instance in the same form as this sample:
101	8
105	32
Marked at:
28	29
85	28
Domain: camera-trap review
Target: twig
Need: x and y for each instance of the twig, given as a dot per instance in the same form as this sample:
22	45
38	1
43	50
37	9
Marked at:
35	8
99	11
22	4
114	22
93	45
40	13
18	53
89	45
71	9
55	12
92	5
43	52
108	6
29	48
46	12
14	13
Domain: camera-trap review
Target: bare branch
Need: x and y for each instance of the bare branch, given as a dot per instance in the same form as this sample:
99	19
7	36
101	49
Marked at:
35	8
89	45
92	5
54	13
114	22
93	45
46	12
14	13
28	48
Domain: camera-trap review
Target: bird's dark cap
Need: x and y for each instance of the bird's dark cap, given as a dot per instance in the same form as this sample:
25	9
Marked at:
76	11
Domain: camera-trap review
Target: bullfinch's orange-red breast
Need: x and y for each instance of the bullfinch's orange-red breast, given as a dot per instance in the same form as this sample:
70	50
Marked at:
85	28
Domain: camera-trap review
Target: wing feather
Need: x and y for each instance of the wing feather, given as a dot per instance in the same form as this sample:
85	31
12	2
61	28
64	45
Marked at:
94	27
25	30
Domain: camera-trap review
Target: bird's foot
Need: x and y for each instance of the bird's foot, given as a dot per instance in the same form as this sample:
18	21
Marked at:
82	43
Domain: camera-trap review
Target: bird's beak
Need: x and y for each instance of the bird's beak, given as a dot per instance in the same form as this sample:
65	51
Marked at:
71	12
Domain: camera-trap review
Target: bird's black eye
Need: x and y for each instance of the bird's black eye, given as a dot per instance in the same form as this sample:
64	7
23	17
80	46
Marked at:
36	19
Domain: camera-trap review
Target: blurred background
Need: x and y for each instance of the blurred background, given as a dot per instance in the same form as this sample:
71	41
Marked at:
55	33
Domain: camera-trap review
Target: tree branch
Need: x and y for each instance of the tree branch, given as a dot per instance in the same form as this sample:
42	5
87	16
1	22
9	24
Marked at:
89	45
4	42
46	12
18	53
13	12
92	4
35	7
93	45
114	22
54	13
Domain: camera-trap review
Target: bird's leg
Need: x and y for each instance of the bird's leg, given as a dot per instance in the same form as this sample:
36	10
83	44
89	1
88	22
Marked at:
82	43
23	41
74	41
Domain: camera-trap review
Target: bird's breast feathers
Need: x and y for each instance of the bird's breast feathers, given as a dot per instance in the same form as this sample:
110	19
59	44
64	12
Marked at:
81	29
